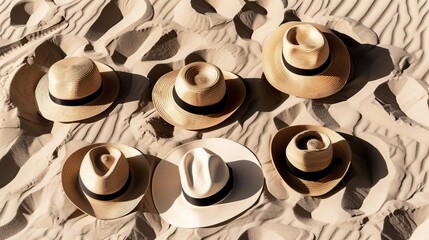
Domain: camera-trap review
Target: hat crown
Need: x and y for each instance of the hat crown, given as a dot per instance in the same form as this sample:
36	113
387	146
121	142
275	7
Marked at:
310	151
202	173
200	84
74	78
305	47
104	170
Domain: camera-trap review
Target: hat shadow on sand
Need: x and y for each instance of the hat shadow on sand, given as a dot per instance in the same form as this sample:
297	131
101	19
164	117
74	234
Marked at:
255	87
261	96
368	63
367	168
130	86
248	171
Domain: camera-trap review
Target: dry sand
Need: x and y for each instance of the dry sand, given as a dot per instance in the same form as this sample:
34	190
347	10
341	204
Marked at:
383	112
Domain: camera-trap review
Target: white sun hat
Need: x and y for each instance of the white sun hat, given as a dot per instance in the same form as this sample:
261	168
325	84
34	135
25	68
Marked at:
206	182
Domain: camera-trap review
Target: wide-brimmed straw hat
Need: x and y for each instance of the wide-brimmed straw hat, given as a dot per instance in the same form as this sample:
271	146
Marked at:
206	182
76	88
311	159
198	96
305	60
106	180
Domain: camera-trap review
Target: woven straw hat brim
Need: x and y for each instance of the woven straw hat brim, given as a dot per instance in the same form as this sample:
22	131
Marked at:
342	154
330	81
162	98
55	112
173	207
115	208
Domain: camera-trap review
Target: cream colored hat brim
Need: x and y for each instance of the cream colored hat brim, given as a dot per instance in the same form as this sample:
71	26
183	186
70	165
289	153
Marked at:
342	154
162	98
140	176
330	81
55	112
173	207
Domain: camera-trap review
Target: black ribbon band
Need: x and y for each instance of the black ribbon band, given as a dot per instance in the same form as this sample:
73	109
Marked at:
221	194
310	176
307	72
106	197
77	102
204	110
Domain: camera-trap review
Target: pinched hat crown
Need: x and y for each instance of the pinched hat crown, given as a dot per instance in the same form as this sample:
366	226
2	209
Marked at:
305	47
203	174
74	78
104	171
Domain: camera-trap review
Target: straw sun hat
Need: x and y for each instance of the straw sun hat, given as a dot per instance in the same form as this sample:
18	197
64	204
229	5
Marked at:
305	60
105	180
311	159
206	182
76	88
198	96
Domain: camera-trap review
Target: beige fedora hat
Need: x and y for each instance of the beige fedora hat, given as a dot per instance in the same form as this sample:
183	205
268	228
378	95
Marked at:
311	159
105	180
198	96
206	182
305	60
76	88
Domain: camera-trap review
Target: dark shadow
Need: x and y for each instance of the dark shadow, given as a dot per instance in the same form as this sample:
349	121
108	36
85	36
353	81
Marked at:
246	182
387	99
368	62
154	74
305	206
126	45
147	204
8	168
21	12
367	167
23	86
133	87
398	225
250	176
202	6
290	15
224	223
109	17
162	128
194	57
243	25
166	47
142	229
261	96
17	224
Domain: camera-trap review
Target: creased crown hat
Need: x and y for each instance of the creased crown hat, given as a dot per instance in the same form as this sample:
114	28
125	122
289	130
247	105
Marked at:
206	182
306	60
76	88
106	181
198	96
311	159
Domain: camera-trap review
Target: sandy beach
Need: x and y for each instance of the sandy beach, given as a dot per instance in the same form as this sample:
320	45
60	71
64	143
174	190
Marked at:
382	112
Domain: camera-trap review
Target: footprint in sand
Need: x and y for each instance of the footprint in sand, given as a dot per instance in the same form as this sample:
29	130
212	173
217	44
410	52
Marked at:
117	18
30	13
250	18
275	231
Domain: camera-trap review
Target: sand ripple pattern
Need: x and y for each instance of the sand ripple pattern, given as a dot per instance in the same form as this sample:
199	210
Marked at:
382	111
